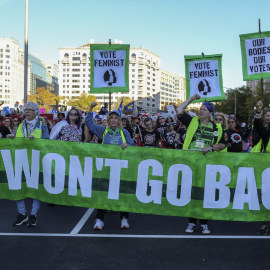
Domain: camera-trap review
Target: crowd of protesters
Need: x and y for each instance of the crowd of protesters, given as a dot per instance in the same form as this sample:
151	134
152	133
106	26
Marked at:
207	132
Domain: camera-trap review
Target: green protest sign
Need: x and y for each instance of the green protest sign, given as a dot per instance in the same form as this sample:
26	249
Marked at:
255	49
109	68
204	77
221	186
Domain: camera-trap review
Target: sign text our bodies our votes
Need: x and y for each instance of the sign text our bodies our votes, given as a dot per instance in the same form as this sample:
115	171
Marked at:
255	48
258	55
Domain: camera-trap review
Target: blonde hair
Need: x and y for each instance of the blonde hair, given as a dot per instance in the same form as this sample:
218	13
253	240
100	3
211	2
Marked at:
119	121
225	119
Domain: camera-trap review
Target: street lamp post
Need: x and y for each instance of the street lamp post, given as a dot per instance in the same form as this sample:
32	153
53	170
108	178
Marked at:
26	52
235	103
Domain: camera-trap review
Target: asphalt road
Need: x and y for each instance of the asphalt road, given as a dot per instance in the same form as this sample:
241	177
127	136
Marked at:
64	239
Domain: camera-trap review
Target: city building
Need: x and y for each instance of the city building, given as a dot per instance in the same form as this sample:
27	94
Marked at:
180	88
52	78
38	73
144	78
12	73
253	85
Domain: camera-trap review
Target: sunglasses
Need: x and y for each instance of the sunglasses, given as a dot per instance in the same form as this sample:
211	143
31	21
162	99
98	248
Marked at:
73	113
218	119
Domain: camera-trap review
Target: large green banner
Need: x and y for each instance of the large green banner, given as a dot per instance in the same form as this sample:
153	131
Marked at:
255	49
221	186
109	68
204	77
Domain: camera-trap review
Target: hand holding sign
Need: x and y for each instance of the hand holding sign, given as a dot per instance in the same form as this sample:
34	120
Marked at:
195	97
93	104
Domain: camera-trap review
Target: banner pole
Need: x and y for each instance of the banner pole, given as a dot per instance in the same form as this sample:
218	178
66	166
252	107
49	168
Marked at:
261	79
110	93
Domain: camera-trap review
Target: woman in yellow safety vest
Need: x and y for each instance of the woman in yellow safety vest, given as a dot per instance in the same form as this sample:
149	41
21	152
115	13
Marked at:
202	135
32	128
112	134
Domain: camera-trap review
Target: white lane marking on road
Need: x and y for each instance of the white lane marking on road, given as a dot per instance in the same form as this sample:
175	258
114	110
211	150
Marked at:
138	236
80	224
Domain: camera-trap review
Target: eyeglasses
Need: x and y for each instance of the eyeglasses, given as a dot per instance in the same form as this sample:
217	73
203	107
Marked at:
29	110
73	113
218	119
231	122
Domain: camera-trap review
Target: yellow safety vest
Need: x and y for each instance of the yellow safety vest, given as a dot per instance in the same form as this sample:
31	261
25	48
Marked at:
193	126
258	146
37	132
121	132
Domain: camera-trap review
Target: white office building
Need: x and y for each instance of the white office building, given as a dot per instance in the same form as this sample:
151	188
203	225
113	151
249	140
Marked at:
144	78
11	72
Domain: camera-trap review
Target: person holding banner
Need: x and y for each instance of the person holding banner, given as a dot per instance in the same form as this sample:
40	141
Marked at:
33	128
202	135
10	125
112	134
263	146
235	136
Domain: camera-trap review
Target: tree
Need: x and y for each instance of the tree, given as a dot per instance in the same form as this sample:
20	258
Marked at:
245	101
44	98
83	102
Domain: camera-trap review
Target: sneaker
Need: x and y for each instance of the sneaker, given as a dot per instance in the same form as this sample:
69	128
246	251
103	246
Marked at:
32	221
190	228
98	224
124	223
263	230
20	220
205	229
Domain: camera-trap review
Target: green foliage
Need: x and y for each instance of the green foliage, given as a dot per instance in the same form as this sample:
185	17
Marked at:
245	102
44	98
83	102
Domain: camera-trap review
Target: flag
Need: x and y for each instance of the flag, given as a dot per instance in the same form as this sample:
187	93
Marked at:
54	110
6	110
129	107
120	108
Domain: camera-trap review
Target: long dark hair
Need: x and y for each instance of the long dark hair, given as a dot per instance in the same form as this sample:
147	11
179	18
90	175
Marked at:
78	121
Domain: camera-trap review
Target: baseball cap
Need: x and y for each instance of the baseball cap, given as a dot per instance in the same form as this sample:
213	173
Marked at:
114	111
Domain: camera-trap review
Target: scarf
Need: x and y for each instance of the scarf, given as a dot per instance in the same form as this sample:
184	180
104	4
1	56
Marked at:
29	126
114	134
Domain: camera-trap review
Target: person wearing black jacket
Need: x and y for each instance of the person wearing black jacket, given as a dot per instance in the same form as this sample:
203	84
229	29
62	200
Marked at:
263	145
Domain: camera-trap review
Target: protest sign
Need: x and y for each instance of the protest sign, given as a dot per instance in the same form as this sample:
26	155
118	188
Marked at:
221	186
109	68
255	49
204	77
